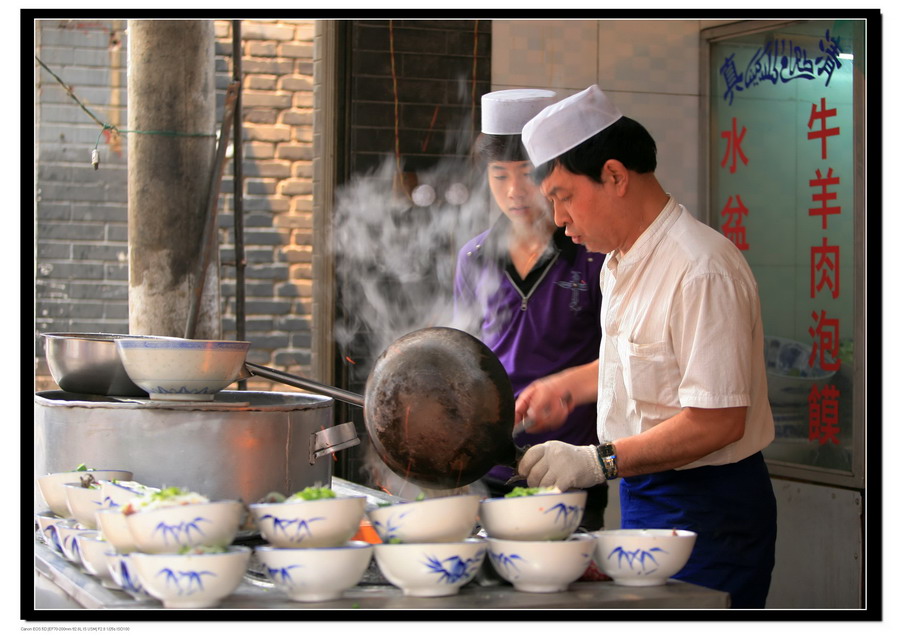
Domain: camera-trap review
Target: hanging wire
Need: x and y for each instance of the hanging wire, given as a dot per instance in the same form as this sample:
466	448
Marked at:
95	152
396	99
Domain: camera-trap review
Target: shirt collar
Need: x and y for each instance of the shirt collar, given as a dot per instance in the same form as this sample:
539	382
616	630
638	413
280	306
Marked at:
494	247
651	236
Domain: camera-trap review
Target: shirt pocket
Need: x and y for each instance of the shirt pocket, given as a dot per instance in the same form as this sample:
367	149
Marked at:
651	373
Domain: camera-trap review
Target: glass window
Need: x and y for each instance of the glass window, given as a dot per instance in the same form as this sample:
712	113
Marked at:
783	189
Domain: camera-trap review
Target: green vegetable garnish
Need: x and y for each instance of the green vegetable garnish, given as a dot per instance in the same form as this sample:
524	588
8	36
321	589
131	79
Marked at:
167	493
314	492
82	468
521	491
201	550
420	497
395	540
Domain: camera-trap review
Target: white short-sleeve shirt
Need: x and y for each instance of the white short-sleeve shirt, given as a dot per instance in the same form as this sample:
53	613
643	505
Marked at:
681	327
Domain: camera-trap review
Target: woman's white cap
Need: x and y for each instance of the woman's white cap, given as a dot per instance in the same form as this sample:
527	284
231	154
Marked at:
566	124
506	112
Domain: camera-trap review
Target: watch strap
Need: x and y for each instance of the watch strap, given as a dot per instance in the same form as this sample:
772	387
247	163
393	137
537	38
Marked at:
606	455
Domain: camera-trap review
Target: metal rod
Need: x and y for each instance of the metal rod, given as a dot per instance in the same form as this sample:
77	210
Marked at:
210	236
240	263
308	384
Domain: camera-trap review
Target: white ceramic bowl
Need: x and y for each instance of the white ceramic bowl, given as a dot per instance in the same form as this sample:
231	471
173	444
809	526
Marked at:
542	566
431	569
182	369
643	557
84	503
316	574
51	486
438	519
541	517
47	521
308	524
169	529
124	575
788	372
68	530
94	550
118	493
112	524
191	580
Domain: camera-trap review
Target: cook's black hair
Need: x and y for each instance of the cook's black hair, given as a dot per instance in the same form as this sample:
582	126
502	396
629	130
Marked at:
499	148
625	140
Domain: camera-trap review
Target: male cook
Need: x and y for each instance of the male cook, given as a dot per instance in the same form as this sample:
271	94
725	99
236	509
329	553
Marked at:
680	383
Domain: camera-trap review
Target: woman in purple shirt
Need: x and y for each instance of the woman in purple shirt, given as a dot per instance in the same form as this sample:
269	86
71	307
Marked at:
523	287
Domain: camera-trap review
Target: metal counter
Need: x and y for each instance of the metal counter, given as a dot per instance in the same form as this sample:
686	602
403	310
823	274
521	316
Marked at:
486	592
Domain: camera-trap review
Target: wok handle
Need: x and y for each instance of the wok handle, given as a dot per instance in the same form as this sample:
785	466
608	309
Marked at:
306	384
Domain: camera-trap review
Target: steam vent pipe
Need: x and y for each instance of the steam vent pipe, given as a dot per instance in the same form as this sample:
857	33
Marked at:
171	148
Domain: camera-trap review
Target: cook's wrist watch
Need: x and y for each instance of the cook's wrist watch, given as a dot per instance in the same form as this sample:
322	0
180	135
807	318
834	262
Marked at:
606	453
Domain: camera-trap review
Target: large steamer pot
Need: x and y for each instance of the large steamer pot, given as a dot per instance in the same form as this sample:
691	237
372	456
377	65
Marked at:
243	445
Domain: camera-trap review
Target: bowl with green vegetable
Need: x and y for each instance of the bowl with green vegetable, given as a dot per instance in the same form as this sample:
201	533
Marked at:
198	577
436	519
175	518
533	514
316	574
115	493
52	491
313	517
542	566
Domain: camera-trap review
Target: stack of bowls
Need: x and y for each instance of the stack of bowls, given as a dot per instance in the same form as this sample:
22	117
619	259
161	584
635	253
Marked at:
179	554
73	498
532	541
311	556
426	548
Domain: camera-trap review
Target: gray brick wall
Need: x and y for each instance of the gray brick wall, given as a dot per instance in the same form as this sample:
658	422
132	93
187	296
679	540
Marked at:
81	270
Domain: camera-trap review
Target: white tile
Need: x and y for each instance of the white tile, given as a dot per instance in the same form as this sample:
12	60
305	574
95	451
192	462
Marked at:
658	56
673	121
553	54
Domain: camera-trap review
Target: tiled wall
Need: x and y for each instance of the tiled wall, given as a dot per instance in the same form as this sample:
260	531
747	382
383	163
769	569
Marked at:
649	68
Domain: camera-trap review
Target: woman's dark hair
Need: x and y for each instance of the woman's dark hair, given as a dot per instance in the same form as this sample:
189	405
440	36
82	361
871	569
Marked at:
625	140
499	148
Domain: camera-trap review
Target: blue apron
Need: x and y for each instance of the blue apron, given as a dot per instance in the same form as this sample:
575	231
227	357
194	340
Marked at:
732	510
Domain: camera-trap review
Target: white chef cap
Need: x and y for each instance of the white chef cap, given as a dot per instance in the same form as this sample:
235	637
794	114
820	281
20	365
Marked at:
506	112
566	124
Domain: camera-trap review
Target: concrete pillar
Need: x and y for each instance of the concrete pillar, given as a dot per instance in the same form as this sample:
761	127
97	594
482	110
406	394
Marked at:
171	92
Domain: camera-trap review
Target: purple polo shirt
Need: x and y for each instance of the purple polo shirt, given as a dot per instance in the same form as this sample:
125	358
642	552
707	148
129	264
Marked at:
536	327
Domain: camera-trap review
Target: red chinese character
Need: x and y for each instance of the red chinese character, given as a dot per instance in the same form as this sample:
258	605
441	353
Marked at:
823	414
733	149
826	340
825	196
823	133
734	228
825	261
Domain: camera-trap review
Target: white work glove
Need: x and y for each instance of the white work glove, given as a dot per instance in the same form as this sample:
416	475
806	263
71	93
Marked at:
556	463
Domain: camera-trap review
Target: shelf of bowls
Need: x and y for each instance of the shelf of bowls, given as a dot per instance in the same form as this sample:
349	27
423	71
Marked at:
176	546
